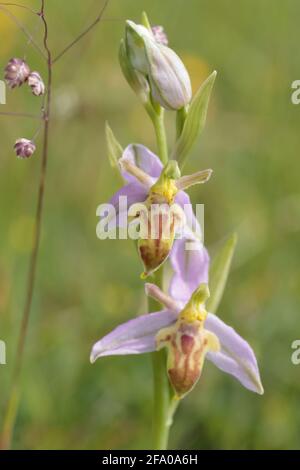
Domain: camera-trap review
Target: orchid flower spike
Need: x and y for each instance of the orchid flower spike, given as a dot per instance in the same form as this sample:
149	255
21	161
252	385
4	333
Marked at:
157	200
188	331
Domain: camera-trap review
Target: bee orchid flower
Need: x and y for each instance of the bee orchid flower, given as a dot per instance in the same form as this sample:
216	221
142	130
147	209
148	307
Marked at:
185	327
155	193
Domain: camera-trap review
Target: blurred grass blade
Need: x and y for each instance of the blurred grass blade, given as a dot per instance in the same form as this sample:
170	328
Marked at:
114	149
195	121
219	271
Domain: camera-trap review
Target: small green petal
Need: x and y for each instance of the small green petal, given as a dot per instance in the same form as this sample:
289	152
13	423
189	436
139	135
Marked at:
145	21
114	148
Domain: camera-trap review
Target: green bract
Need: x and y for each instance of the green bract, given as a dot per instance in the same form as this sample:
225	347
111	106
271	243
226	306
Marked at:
194	121
114	148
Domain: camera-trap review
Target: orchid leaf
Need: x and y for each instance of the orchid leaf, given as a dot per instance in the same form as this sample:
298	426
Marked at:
219	271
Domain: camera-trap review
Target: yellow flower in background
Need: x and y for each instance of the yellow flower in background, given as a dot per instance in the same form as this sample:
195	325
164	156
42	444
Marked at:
197	68
8	30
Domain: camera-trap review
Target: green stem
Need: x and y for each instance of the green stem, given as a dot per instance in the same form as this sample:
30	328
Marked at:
164	402
161	401
161	385
158	122
173	405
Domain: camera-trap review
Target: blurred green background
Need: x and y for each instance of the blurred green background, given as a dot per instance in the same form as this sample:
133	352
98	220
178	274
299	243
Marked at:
86	286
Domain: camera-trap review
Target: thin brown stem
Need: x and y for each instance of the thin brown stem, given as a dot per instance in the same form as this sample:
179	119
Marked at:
81	35
39	210
13	402
12	406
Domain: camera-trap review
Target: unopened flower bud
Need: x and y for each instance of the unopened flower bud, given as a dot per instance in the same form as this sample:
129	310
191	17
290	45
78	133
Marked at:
24	148
16	72
160	35
36	83
169	80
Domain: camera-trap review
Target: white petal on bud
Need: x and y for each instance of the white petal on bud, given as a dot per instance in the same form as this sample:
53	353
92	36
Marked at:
36	83
136	35
169	80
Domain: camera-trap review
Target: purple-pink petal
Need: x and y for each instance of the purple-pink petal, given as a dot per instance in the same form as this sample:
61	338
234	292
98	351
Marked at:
183	200
144	159
190	268
132	346
134	192
236	356
133	337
